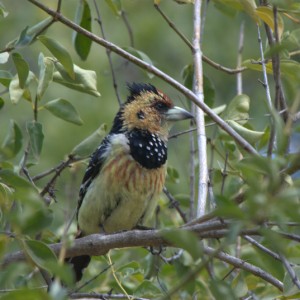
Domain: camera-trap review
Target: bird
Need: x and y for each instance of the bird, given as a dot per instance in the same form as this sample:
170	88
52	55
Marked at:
126	173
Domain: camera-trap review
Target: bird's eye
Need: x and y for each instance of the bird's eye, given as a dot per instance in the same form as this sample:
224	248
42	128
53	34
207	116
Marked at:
160	106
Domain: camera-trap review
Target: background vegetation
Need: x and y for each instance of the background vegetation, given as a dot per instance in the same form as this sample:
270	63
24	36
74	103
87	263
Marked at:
245	245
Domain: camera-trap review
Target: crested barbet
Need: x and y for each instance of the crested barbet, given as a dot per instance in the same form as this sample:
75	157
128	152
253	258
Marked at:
126	173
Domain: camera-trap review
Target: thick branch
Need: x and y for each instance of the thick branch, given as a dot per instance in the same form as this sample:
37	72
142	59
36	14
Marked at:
150	68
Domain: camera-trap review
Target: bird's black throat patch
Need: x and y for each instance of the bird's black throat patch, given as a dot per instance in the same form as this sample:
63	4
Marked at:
147	148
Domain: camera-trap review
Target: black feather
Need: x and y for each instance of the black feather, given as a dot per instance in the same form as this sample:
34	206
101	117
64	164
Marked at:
137	89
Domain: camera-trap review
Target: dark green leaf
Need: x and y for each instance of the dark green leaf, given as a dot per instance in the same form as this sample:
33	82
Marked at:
1	102
115	6
173	175
12	143
85	80
46	67
36	138
83	18
187	74
22	68
40	253
141	55
63	109
60	53
222	290
87	146
185	240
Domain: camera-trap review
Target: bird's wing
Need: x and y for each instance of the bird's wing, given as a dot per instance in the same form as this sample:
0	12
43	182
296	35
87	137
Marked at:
92	170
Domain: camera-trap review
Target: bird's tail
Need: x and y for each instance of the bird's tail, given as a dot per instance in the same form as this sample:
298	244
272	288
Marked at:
79	263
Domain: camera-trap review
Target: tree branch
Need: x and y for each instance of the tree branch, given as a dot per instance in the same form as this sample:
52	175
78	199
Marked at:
150	68
200	121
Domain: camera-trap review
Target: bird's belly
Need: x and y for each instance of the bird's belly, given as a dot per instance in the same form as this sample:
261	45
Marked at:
121	196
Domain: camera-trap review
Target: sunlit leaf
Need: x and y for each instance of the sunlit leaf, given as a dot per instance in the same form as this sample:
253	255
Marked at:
83	18
255	65
85	80
3	11
12	143
64	110
4	57
237	109
141	55
249	7
88	145
266	14
22	69
46	67
60	53
16	92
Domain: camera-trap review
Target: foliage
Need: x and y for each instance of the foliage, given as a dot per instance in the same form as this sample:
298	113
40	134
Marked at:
51	79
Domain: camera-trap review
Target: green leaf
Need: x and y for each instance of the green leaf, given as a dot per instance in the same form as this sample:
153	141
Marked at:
3	12
36	138
186	240
27	36
12	143
173	175
237	110
222	290
46	67
40	253
27	294
5	78
250	135
256	66
289	288
147	289
4	57
266	14
16	92
1	102
85	80
88	145
22	69
60	53
141	55
115	6
63	109
249	7
82	43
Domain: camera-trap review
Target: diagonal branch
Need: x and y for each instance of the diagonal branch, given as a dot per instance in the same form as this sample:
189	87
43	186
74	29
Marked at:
150	68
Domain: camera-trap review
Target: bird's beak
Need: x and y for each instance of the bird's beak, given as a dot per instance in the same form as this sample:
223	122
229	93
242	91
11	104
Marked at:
177	113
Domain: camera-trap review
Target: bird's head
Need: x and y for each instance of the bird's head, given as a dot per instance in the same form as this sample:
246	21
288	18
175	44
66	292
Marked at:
149	109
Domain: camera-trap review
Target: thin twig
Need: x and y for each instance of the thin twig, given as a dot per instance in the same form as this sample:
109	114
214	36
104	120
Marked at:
108	53
190	45
268	94
128	27
175	204
188	93
94	295
239	78
200	121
